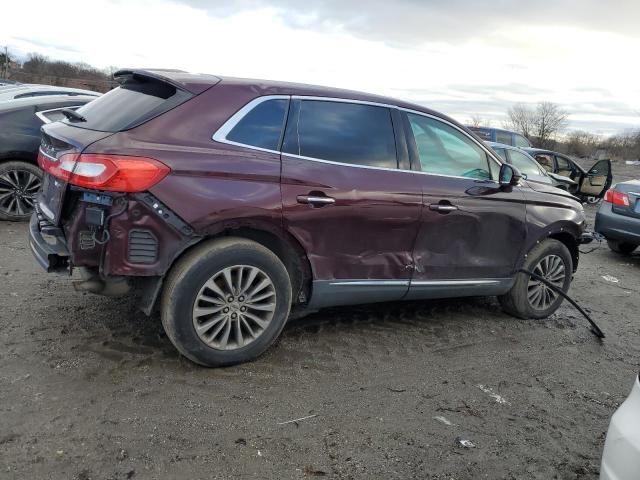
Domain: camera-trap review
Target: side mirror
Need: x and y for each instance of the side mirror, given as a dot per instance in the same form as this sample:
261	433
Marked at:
509	175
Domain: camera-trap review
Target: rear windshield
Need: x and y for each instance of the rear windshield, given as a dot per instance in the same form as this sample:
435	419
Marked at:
134	102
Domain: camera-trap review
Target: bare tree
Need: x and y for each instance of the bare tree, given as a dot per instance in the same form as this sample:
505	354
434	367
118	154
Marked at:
540	125
521	119
549	120
477	121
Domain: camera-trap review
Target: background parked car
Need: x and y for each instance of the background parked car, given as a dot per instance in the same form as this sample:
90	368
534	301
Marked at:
618	217
621	455
20	122
15	92
498	135
529	168
591	184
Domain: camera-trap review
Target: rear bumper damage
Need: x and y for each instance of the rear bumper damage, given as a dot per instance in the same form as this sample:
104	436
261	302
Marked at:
48	244
124	245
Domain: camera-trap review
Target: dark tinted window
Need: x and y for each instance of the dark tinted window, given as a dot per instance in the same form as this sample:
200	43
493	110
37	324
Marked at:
262	126
342	132
129	105
503	137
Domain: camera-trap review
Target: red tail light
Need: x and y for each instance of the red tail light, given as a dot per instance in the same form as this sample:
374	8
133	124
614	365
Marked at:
116	173
617	198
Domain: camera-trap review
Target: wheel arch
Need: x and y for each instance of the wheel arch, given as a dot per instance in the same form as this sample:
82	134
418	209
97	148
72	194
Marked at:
571	242
281	243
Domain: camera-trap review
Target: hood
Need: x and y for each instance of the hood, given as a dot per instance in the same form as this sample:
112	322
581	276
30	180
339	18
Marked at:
545	188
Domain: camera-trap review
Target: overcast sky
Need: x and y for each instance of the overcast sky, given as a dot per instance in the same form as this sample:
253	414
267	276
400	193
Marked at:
461	57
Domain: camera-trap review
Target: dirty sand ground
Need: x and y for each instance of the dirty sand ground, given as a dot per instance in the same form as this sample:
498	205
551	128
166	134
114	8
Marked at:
91	388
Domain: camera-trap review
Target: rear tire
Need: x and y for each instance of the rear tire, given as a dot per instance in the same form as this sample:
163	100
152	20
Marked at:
621	247
19	184
529	298
226	301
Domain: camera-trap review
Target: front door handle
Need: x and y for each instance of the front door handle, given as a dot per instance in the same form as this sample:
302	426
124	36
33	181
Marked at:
442	208
316	200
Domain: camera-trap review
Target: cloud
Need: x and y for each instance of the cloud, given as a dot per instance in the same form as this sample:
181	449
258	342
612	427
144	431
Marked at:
409	22
462	58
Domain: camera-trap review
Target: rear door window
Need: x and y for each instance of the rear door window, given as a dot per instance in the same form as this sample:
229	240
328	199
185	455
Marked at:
342	132
262	126
134	102
444	150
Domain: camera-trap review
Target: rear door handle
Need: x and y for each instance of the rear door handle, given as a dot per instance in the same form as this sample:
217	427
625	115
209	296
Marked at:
438	207
316	200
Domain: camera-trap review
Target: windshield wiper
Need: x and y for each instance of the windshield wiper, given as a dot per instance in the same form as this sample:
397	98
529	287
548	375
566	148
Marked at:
73	115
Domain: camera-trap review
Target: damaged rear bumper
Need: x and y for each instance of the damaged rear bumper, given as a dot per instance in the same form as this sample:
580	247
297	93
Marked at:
48	244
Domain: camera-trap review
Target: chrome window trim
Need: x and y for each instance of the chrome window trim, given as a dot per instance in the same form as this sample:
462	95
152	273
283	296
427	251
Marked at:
41	114
220	135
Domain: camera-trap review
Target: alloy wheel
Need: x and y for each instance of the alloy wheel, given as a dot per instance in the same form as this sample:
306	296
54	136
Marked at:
234	307
18	189
552	269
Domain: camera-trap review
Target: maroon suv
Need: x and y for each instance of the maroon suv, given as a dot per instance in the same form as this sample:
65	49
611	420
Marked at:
231	203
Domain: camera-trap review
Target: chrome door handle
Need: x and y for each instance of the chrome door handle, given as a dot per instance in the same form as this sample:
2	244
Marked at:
438	207
316	200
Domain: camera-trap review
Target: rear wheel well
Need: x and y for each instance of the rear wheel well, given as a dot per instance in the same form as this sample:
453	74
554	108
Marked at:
571	243
287	249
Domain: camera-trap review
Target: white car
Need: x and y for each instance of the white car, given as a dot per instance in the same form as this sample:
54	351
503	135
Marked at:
621	456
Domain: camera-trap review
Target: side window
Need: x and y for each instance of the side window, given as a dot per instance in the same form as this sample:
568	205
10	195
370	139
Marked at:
546	161
503	137
444	150
502	153
521	141
563	163
262	126
524	163
341	132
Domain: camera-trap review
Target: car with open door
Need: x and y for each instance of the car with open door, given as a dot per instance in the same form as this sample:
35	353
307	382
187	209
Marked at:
229	204
618	218
20	123
531	170
591	184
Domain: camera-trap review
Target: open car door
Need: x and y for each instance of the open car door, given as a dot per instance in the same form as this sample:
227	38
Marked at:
597	180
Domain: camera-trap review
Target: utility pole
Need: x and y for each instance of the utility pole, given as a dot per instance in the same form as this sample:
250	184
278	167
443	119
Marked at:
6	62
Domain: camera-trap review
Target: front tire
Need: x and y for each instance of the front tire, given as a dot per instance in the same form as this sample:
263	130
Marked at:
19	184
529	298
621	247
226	302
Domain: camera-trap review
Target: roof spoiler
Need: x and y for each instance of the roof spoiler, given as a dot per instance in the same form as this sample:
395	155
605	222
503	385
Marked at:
188	82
